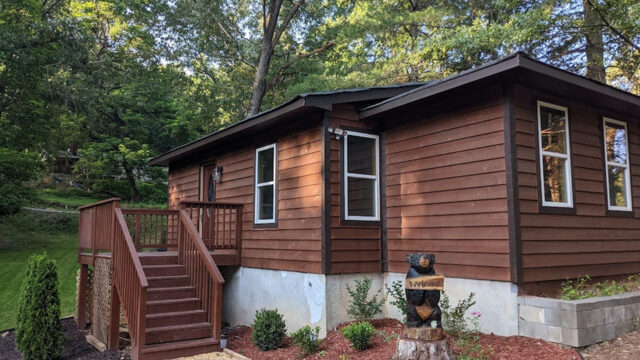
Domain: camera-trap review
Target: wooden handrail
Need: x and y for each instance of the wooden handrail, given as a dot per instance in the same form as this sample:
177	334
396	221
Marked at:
99	203
188	202
132	250
202	249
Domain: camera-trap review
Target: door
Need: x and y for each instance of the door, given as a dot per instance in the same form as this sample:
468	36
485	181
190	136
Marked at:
207	223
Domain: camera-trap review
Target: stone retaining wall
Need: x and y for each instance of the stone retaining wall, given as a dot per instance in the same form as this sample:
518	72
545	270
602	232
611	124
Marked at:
578	322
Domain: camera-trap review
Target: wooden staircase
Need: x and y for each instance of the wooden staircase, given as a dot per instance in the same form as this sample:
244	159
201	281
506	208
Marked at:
176	324
172	300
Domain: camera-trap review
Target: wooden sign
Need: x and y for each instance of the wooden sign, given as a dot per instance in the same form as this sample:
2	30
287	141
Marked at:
427	282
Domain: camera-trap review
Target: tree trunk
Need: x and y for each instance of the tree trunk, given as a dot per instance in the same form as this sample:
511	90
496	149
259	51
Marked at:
135	195
594	48
266	51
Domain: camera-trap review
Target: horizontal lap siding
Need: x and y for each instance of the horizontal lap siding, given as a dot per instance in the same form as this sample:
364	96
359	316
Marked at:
183	183
446	191
555	246
354	248
295	244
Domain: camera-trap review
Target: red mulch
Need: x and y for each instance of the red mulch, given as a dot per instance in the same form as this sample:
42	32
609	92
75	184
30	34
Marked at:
335	345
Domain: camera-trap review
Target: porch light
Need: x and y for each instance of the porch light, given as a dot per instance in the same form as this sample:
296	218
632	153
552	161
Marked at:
339	133
217	173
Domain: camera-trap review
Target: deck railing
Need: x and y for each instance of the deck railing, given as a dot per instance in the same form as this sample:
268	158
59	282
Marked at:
130	282
219	224
96	226
202	270
152	229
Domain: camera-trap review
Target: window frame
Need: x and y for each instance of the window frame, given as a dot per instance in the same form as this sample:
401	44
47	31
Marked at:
346	175
567	157
256	186
627	166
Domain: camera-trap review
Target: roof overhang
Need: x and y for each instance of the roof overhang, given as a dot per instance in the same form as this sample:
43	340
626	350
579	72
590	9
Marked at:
299	105
496	69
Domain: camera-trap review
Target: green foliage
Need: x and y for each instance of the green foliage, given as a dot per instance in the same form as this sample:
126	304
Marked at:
307	339
359	334
38	333
454	319
398	298
582	288
269	329
387	337
16	169
24	234
359	307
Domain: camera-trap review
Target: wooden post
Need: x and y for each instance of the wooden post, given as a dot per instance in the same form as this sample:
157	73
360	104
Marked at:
217	311
114	318
81	320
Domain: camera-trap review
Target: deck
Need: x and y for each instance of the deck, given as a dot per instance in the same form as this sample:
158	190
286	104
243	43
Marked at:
164	272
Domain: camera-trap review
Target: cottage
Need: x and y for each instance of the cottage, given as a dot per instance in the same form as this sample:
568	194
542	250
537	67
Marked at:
516	174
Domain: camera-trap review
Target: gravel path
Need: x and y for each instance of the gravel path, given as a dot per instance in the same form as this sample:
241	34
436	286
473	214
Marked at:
625	347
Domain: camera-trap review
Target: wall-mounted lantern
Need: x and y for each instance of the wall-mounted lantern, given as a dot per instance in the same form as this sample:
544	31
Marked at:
217	173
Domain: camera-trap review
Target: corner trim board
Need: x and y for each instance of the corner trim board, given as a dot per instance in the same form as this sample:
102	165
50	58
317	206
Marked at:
326	193
511	172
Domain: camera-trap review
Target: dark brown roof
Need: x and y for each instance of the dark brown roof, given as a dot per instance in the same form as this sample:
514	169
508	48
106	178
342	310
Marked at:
318	100
515	61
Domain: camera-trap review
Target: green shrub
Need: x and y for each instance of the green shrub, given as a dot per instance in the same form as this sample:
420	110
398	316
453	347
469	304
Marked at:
580	289
454	321
16	169
38	333
269	329
398	298
307	339
359	307
359	334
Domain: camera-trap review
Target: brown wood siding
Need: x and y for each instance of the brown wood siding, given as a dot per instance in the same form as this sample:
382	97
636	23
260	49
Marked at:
295	243
355	247
184	183
591	241
446	188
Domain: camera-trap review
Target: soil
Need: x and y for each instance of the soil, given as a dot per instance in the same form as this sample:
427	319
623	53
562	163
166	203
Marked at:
335	346
625	347
75	347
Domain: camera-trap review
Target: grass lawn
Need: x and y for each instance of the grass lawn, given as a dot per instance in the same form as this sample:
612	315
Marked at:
61	198
27	233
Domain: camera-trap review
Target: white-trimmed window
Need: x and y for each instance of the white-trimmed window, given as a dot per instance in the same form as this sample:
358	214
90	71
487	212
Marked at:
616	157
361	177
265	185
555	158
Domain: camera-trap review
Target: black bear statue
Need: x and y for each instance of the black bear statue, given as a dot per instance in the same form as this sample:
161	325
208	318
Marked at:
422	305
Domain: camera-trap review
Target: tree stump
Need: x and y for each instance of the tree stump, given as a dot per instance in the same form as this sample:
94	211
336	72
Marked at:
412	349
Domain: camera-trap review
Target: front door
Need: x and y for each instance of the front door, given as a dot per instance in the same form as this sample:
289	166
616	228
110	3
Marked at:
207	225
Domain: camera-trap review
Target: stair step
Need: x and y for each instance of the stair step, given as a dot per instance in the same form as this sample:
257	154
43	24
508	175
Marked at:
156	258
180	348
173	305
168	281
163	270
178	332
178	292
176	318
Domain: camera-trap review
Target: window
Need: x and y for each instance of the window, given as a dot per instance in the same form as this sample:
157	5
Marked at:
555	160
616	150
265	185
361	177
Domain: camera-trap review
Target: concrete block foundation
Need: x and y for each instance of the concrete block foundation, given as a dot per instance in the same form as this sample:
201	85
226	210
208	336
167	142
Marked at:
578	322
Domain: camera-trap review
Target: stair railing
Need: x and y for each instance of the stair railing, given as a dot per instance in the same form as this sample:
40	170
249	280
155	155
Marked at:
202	270
130	282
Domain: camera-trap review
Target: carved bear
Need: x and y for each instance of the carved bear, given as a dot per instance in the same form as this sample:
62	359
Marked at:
422	305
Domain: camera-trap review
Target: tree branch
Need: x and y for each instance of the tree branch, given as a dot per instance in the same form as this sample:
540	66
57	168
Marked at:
286	22
235	43
613	29
284	68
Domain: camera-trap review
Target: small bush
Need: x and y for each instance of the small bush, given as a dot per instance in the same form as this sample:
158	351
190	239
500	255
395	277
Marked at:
359	334
269	329
307	339
454	321
38	332
359	307
398	298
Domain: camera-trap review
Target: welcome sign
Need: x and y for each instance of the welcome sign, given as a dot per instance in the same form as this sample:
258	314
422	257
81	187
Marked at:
427	282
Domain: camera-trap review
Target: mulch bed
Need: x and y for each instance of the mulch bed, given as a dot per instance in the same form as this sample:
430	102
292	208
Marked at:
337	347
75	347
624	347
